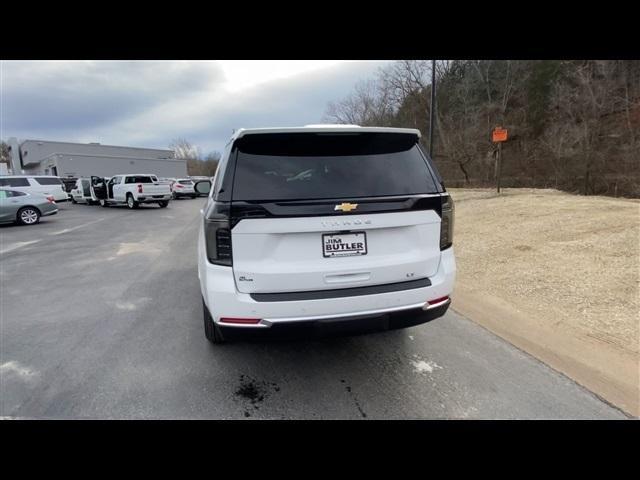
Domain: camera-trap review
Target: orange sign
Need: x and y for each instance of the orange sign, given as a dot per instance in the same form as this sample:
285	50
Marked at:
500	134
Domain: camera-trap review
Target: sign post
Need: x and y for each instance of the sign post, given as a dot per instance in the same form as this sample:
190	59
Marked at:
499	135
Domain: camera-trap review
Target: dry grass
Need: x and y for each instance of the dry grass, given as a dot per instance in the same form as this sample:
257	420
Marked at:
571	262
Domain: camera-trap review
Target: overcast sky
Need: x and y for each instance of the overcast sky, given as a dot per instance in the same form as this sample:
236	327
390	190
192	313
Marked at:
149	103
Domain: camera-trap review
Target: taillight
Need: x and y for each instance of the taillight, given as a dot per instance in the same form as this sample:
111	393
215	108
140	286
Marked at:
446	225
51	199
244	321
179	186
438	300
139	188
217	232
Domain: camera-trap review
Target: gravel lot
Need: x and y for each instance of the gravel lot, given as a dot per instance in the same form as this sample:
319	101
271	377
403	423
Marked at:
569	264
101	318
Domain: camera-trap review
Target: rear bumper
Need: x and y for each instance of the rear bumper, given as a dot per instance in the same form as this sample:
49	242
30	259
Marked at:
223	300
350	325
153	199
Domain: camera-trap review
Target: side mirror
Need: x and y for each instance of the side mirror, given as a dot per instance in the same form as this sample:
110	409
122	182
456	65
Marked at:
203	186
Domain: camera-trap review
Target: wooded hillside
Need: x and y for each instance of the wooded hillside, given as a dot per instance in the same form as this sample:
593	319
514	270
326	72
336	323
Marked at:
573	125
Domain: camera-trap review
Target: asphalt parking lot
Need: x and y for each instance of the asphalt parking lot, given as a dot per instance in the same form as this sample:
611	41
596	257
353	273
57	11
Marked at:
101	318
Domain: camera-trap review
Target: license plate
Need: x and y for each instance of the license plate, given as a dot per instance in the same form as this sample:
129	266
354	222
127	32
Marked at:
344	244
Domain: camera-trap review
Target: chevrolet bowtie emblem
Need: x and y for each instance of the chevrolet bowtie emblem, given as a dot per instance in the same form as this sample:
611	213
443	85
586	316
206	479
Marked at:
346	207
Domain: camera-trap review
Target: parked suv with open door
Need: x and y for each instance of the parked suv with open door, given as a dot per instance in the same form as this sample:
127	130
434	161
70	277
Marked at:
81	192
324	229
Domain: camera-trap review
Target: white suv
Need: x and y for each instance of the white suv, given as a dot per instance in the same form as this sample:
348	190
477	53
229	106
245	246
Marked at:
324	229
47	185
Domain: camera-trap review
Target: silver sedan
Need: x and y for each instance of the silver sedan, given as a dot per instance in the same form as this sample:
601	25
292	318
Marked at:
25	208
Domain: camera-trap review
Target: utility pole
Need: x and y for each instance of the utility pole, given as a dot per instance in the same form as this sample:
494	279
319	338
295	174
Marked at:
432	115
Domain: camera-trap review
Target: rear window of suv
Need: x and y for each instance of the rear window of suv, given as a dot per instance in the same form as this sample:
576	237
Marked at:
14	182
323	166
48	181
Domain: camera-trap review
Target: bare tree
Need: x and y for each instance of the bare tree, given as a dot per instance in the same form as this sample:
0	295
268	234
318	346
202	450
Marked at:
5	153
582	102
182	148
210	163
404	78
196	164
367	105
572	124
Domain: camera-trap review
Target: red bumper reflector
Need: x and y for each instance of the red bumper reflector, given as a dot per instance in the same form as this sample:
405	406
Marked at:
438	300
252	321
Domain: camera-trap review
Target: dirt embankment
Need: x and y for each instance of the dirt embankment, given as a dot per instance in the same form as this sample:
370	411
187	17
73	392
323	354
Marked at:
558	275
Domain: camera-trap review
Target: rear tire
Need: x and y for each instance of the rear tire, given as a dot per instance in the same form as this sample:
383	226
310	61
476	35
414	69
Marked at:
131	203
211	330
163	203
28	216
73	200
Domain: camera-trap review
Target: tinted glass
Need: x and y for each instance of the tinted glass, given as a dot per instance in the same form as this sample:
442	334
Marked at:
312	166
11	193
186	182
48	181
139	179
14	182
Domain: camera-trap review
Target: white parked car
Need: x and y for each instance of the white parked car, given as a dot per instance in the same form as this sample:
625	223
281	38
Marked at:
324	229
131	190
47	185
183	187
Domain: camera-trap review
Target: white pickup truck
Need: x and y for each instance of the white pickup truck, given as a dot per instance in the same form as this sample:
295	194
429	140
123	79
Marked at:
131	190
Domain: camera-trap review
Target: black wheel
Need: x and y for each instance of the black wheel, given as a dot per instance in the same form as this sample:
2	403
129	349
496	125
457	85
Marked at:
28	216
163	203
104	203
73	200
174	196
131	203
211	330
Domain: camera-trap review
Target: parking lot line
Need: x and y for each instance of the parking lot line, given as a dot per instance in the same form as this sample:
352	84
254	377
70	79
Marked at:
17	245
67	230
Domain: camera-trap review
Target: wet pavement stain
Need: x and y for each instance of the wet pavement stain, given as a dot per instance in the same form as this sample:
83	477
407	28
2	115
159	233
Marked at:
253	392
